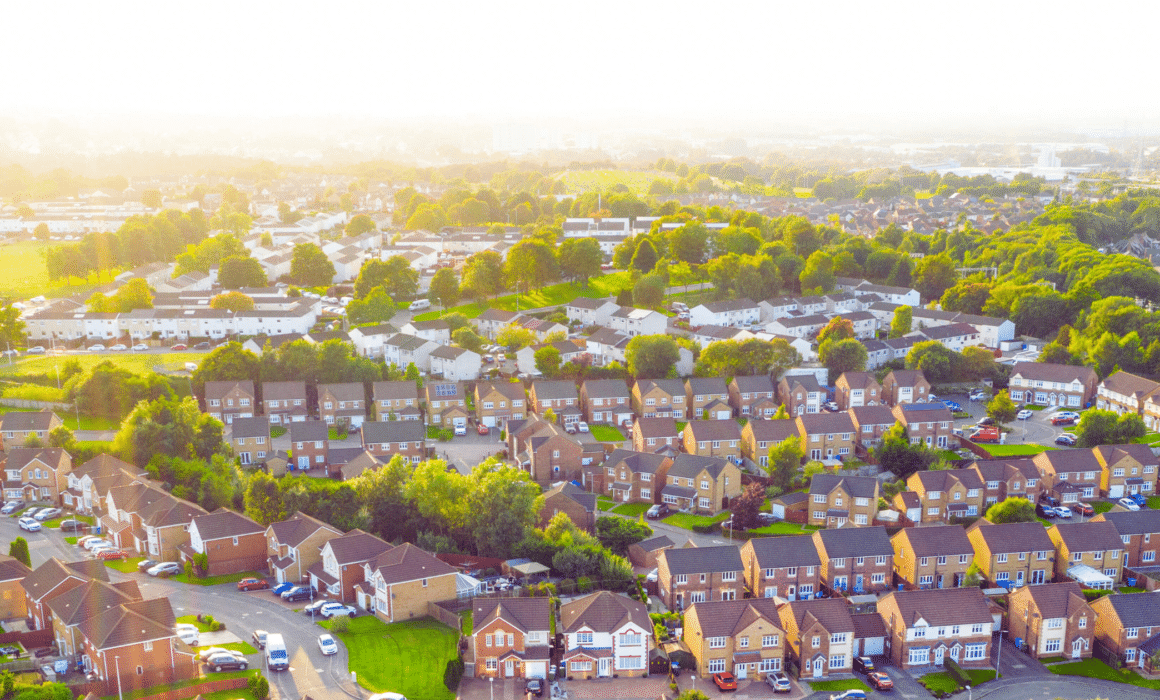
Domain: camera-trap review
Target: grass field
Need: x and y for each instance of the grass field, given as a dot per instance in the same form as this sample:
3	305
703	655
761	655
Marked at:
138	363
688	520
192	620
55	522
554	295
783	528
835	686
1094	668
24	275
632	510
606	433
581	181
404	657
125	566
243	647
1015	450
605	503
942	682
1102	507
217	580
70	420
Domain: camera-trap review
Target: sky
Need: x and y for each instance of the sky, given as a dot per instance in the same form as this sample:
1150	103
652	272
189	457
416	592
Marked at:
752	61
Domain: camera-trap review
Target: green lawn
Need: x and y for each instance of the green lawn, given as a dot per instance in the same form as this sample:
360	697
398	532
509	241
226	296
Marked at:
217	580
277	431
606	433
192	620
609	284
1102	506
939	683
404	657
125	566
834	686
71	540
688	520
1018	449
1094	668
1154	502
1148	439
681	426
23	273
632	510
782	528
243	647
605	503
33	392
136	363
333	433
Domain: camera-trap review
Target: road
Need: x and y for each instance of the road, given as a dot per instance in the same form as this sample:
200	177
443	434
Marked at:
1035	430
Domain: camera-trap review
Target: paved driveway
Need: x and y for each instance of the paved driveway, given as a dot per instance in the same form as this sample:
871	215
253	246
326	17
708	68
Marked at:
466	451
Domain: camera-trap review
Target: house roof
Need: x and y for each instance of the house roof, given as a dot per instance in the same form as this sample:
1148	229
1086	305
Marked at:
1003	469
604	611
587	303
906	377
24	421
51	573
638	462
130	623
1050	372
856	486
586	499
216	390
225	523
88	599
858	380
704	430
296	529
105	465
873	415
689	466
868	625
945	540
778	552
1069	461
729	305
807	381
402	389
672	387
255	426
554	389
754	383
1114	453
655	544
283	391
944	479
52	457
393	431
1054	600
726	618
356	546
444	391
356	464
1124	383
346	391
826	423
832	613
1133	609
528	614
409	563
656	427
1089	536
605	388
1009	538
941	606
847	542
774	430
12	569
700	386
309	431
702	560
1138	522
403	341
924	412
511	390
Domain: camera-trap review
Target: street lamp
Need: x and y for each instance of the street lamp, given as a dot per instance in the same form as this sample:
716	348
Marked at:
694	679
971	695
999	656
491	684
117	659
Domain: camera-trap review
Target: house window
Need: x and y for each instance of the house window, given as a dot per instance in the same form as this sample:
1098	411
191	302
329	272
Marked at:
838	638
716	642
1082	623
1001	558
716	665
769	640
817	641
235	541
492	664
838	661
920	656
1051	645
583	638
974	652
148	646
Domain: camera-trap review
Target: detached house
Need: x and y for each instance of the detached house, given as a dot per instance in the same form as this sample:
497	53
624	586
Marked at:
455	364
604	634
1139	533
905	386
35	474
571	500
655	434
510	638
836	500
699	574
228	400
498	402
703	484
446	405
857	389
713	438
1126	626
1048	384
407	438
929	424
15	427
398	400
1012	554
1126	469
340	568
1070	475
1054	619
635	477
400	583
948	494
1092	544
659	398
801	394
607	401
925	628
51	579
932	557
284	402
708	398
250	439
12	603
826	435
855	559
133	645
310	441
295	544
742	637
758	436
342	404
819	636
754	396
782	567
544	449
232	542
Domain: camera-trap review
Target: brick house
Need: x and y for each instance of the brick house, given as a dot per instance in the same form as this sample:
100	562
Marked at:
606	401
660	398
1012	554
15	427
342	404
89	483
925	628
782	567
561	396
12	601
74	606
870	424
742	637
1070	475
754	396
905	386
310	443
713	438
1048	384
826	435
36	474
568	498
653	434
758	436
138	640
948	494
53	578
511	636
250	439
400	583
498	402
228	400
644	553
1124	623
929	424
446	404
932	557
836	500
708	398
606	633
1094	544
801	394
233	543
855	559
399	399
339	569
703	484
819	636
1007	478
1126	469
699	574
284	402
1054	619
545	450
1139	533
1122	392
635	477
857	389
397	437
295	544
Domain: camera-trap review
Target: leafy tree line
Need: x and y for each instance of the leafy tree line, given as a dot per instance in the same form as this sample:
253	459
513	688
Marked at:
139	241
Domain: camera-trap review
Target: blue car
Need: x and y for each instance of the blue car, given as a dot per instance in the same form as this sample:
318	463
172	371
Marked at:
1140	499
281	588
953	406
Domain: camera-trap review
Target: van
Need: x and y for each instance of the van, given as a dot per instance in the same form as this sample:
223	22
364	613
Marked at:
419	304
276	657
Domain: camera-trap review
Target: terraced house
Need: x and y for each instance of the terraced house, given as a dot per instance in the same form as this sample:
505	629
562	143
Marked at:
1092	544
1047	384
754	396
713	438
932	557
399	400
855	559
635	477
702	484
742	637
948	494
836	500
782	567
699	574
819	636
1122	392
659	398
925	628
1012	554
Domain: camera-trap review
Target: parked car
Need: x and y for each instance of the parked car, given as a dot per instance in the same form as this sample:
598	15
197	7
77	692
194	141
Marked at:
31	511
488	359
986	420
140	347
1083	509
36	350
313	608
335	609
207	652
180	347
481	429
97	348
932	397
32	526
1125	502
73	525
48	514
535	687
219	662
1049	499
165	568
253	584
1045	511
282	588
1065	440
1139	498
1063	512
863	664
778	682
112	553
119	347
1062	420
201	346
849	695
298	593
327	645
879	681
11	507
85	538
146	564
725	681
1024	414
831	406
259	637
91	542
582	427
977	395
500	357
570	428
657	511
461	429
187	633
954	406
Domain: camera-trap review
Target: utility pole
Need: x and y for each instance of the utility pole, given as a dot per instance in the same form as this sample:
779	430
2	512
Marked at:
120	695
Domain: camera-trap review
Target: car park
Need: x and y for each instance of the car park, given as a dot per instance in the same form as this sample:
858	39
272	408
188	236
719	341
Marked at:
327	645
48	514
863	664
1024	414
32	526
11	507
165	568
658	510
252	584
725	681
879	681
220	662
336	609
1128	503
778	682
977	395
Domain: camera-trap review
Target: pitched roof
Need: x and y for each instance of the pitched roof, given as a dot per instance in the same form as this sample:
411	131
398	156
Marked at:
225	523
24	421
689	466
216	390
1069	461
1089	536
51	573
554	389
856	486
868	625
512	390
944	479
945	540
402	389
309	431
393	431
280	391
858	380
705	430
526	613
1003	469
1009	538
130	623
638	462
829	423
807	381
1133	609
52	457
700	560
941	606
1114	453
1138	522
90	598
847	542
1123	383
586	499
906	377
778	552
356	546
1054	600
832	613
773	430
346	391
254	426
408	563
12	569
1050	372
295	530
726	618
699	386
605	388
873	415
672	387
604	611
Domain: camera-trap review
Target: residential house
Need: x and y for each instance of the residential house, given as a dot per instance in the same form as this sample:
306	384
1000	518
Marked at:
1012	554
635	477
560	395
498	402
89	483
570	351
370	341
435	330
801	394
953	336
590	312
52	578
1094	544
1139	533
659	398
407	438
855	559
402	582
1070	475
754	396
446	404
571	500
644	553
511	637
295	544
455	364
836	500
700	574
15	427
36	474
1125	623
133	646
1122	392
653	434
819	636
729	312
607	401
905	386
148	520
871	423
633	322
948	494
1054	619
78	604
1048	384
929	424
1126	469
804	327
713	438
782	567
857	389
708	398
1007	478
398	400
543	328
284	402
925	628
402	350
12	601
932	557
342	404
310	442
250	439
547	451
228	400
492	321
232	542
759	435
606	346
826	435
742	637
606	634
340	568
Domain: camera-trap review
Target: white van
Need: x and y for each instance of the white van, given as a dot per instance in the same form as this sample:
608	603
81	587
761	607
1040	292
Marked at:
420	304
276	657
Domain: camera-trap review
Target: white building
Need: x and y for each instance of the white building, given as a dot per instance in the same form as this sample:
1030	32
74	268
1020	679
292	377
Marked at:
731	312
633	322
455	364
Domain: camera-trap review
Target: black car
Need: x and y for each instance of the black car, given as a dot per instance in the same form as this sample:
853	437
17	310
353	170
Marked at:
224	660
659	510
297	594
201	346
1045	511
73	526
1065	441
146	564
535	687
1049	500
863	664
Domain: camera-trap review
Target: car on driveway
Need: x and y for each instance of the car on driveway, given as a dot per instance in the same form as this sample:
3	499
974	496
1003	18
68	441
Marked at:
1045	511
11	507
831	406
207	652
252	584
165	568
335	609
1128	503
281	588
327	645
582	427
1063	511
953	406
481	429
226	660
863	664
315	607
1065	440
1083	508
48	514
1024	414
146	564
31	525
460	429
778	682
849	695
298	593
725	681
1139	498
73	525
535	687
657	511
879	681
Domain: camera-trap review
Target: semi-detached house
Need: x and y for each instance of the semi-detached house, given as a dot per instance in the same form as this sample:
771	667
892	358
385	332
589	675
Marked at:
1049	384
819	636
699	574
606	633
742	637
925	628
295	544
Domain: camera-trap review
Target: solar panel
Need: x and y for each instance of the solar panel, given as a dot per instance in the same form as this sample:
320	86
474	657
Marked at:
445	389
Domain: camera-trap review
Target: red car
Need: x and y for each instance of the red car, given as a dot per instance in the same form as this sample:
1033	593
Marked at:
179	347
1083	508
252	584
112	554
1063	420
879	681
481	429
725	681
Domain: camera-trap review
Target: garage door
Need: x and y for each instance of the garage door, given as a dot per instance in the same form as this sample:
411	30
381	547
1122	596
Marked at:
872	646
489	421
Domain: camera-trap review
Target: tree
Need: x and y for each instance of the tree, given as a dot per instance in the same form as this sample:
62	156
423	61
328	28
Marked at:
502	505
237	272
688	243
310	267
652	356
1000	408
547	361
483	275
263	499
168	427
902	322
444	288
467	339
394	274
618	533
1012	510
746	506
645	257
729	358
818	274
11	327
228	362
18	550
531	264
580	259
232	301
933	275
843	356
937	362
837	329
359	225
899	456
151	198
649	290
785	458
1107	428
514	337
376	307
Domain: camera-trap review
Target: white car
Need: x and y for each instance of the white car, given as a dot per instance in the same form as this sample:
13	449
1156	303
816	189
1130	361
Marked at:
1125	502
210	651
89	544
139	347
334	609
1063	511
119	347
501	357
1067	414
165	567
36	350
97	348
32	526
327	645
48	514
1024	414
187	633
582	427
461	429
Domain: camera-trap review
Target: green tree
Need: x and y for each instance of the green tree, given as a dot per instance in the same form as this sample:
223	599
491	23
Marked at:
11	327
652	356
785	459
933	275
580	259
902	322
310	267
899	456
227	362
237	272
502	505
168	427
514	337
1108	428
444	288
376	307
937	362
467	339
547	361
232	301
843	356
618	533
18	550
1001	409
483	275
382	493
649	291
287	215
360	224
1012	510
151	198
394	274
645	257
729	358
263	499
837	329
531	264
818	274
689	243
746	507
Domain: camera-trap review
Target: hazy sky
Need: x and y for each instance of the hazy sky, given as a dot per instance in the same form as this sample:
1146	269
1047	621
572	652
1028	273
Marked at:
1066	61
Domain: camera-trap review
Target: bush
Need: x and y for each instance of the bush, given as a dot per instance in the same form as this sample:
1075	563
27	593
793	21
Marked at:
259	687
453	674
339	624
584	584
1092	595
705	529
957	673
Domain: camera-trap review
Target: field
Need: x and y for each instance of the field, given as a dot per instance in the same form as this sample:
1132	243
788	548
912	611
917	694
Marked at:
632	510
689	521
138	363
554	295
606	433
404	657
581	181
835	686
1015	450
24	275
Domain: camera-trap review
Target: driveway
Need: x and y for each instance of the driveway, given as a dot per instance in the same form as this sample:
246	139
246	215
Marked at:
466	451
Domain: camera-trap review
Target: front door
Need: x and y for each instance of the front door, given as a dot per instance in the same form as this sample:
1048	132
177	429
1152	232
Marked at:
1077	648
509	668
604	668
740	670
1018	578
955	653
791	593
938	656
818	667
858	582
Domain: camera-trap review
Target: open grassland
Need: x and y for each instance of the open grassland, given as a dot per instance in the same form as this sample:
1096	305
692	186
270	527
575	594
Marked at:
404	657
24	275
554	295
138	363
581	181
